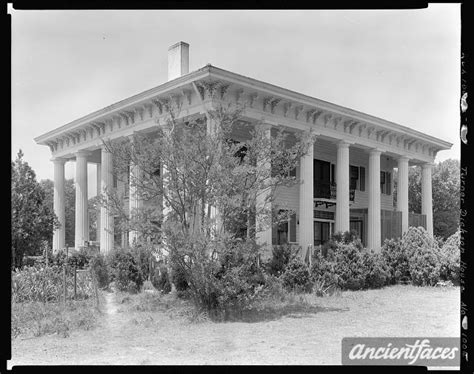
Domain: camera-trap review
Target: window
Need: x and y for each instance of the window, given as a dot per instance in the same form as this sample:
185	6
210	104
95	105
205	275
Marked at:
386	182
362	178
354	175
285	232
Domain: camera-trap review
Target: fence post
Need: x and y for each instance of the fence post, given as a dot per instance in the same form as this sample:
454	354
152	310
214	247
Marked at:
75	282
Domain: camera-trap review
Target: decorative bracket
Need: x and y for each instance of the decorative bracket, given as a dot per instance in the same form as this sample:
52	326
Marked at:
187	94
286	108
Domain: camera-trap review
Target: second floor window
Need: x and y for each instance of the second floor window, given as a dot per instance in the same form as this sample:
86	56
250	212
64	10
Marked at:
386	182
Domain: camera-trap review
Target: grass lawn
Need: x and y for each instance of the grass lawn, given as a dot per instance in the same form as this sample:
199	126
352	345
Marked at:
148	329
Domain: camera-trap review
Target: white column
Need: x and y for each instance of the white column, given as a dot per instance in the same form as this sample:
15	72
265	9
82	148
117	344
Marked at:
426	196
342	188
374	233
263	234
82	217
106	218
134	200
59	235
306	203
165	176
212	128
402	191
97	236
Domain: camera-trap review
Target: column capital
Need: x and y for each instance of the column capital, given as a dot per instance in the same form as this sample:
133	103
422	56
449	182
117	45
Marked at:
428	165
344	143
375	151
403	158
59	160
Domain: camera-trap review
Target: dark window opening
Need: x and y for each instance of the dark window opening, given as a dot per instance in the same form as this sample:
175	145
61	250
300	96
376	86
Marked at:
354	177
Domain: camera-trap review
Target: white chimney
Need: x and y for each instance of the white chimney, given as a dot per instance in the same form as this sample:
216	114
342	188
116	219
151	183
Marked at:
178	60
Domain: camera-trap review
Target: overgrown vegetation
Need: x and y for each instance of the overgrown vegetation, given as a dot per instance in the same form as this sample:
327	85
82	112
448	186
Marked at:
38	318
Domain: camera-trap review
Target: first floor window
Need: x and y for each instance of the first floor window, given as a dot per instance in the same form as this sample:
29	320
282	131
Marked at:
285	232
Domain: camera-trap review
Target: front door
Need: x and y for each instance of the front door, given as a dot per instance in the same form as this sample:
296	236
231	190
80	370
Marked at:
321	232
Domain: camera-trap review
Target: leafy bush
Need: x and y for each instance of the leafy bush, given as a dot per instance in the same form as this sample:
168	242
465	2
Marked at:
99	269
143	258
328	248
179	277
161	279
424	256
125	272
377	272
397	260
297	276
281	256
450	258
348	266
223	276
323	273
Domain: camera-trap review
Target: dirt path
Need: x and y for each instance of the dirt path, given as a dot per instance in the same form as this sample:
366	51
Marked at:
153	338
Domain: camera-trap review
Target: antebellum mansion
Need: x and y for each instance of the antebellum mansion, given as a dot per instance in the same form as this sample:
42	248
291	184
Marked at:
346	178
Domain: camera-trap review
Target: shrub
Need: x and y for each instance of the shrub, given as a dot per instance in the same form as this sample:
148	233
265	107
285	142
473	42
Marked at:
424	256
424	267
396	258
347	266
377	272
450	258
281	256
143	258
179	277
347	237
125	272
223	276
99	270
161	279
297	276
323	274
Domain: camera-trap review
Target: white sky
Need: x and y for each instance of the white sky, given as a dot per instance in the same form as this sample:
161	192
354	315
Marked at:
403	66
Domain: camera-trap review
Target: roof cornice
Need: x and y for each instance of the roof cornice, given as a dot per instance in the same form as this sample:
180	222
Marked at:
216	73
130	101
271	89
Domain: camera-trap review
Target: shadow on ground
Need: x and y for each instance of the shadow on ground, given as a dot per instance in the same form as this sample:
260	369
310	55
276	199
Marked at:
288	311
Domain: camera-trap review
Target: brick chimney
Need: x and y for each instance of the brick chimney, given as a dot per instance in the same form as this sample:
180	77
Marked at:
178	60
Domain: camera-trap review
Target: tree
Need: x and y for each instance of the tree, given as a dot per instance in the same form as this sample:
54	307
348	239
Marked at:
70	208
32	220
204	170
213	188
446	195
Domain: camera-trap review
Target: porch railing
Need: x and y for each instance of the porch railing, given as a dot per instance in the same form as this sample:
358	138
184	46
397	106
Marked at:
327	190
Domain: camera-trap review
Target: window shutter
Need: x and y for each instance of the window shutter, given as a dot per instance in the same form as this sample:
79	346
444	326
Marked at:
362	178
293	228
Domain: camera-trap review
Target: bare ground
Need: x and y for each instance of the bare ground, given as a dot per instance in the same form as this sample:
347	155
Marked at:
310	336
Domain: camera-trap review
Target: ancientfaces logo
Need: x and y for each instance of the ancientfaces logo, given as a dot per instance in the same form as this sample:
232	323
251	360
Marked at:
401	351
